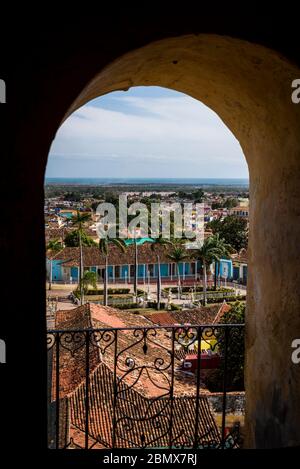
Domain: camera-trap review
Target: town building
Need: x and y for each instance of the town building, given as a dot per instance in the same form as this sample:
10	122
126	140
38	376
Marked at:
64	266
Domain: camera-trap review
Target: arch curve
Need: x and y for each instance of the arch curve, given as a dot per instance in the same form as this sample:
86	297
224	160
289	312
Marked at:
239	80
249	87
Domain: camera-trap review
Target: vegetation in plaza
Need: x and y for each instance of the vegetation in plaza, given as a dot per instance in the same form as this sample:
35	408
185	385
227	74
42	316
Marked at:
232	229
178	254
54	246
89	280
212	249
72	239
228	202
79	220
158	242
104	245
234	351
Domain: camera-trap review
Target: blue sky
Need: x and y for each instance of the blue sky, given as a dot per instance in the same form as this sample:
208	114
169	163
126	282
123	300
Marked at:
145	132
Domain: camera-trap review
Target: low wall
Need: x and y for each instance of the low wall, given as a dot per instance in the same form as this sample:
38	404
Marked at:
235	402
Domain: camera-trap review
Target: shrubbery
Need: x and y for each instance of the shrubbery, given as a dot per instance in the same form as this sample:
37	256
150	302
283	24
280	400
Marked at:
235	353
153	304
111	291
226	298
187	289
128	306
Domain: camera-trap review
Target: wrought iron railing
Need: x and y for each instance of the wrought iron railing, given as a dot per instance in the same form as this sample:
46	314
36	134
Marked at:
141	387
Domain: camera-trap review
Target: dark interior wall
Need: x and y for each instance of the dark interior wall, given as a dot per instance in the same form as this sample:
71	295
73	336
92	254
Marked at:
45	69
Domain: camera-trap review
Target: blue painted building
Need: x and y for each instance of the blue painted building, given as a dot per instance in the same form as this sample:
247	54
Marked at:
121	267
64	270
235	268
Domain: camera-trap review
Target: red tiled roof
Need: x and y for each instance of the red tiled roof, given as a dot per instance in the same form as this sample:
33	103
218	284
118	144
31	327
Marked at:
223	310
162	319
56	233
145	397
194	316
72	348
242	256
92	256
139	420
77	318
158	345
106	315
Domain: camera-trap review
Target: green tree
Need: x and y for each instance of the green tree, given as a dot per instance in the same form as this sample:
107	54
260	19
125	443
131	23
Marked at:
210	251
198	195
89	279
72	239
178	254
135	288
216	205
223	250
234	347
53	247
104	245
232	229
230	202
155	247
72	196
112	198
79	220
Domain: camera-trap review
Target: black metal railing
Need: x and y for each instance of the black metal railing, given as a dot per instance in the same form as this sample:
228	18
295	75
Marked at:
142	387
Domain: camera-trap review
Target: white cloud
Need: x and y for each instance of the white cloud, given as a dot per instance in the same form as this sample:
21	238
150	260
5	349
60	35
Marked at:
164	130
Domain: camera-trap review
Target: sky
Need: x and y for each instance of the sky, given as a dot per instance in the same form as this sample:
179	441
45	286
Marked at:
147	132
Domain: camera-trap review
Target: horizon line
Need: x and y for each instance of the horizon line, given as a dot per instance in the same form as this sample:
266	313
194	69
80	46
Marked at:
140	177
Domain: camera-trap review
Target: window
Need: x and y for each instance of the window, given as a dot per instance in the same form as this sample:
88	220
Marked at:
187	365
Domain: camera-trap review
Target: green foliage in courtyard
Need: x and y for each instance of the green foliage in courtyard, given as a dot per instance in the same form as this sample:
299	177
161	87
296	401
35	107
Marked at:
72	239
235	352
232	229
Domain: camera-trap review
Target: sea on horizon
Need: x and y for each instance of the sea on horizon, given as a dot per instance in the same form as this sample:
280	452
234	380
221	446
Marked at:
132	181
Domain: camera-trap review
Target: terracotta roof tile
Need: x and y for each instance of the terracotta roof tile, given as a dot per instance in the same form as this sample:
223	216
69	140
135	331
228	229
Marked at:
194	316
224	308
242	256
92	255
140	421
162	319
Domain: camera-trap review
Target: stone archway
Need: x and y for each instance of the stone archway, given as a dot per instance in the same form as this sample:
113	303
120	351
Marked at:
249	87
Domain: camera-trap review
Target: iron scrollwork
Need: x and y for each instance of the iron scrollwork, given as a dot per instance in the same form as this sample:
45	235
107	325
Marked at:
135	388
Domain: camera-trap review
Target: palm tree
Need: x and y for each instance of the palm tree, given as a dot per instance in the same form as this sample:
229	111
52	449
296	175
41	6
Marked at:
104	244
135	277
89	279
155	244
135	285
53	246
211	250
178	254
79	220
225	248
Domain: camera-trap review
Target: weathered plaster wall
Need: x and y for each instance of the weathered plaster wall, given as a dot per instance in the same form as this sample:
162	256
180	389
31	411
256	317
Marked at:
250	88
52	72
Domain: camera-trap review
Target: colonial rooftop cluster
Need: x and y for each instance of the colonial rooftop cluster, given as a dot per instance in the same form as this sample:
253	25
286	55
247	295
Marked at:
143	386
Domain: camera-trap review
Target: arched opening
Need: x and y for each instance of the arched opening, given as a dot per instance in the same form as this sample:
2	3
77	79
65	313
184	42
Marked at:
148	145
249	87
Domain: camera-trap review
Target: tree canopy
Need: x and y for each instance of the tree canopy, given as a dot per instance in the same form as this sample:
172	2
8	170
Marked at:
232	229
72	239
235	352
